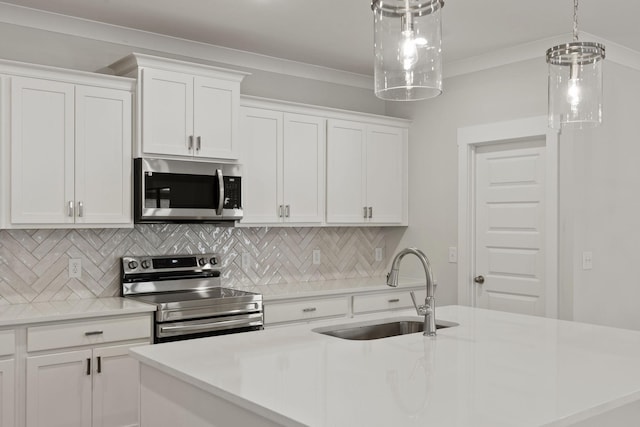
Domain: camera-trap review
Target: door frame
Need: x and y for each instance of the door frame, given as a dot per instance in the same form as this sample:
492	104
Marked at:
469	139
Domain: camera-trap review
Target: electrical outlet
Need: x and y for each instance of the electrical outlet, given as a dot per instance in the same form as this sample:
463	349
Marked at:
378	254
316	256
246	261
587	260
453	254
75	268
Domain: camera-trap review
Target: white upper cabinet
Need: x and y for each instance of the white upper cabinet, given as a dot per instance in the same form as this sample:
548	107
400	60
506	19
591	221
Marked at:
366	173
70	150
185	109
283	161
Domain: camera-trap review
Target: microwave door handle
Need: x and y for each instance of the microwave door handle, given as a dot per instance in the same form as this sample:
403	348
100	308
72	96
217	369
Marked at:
220	191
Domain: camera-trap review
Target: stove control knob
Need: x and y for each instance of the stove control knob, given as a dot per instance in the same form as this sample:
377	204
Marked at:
145	263
202	262
213	261
133	265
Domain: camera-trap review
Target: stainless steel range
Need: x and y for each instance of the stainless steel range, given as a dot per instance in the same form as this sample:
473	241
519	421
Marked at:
190	301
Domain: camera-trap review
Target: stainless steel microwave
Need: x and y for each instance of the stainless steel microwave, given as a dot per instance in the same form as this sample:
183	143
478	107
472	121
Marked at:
186	191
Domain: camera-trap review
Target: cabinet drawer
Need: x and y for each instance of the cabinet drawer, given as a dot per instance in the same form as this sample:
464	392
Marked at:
387	301
88	332
7	343
304	310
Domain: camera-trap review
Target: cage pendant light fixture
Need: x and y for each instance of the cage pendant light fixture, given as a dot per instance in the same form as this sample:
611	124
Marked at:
407	49
575	82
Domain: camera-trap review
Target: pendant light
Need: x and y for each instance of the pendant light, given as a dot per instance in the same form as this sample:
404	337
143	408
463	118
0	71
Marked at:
575	82
407	48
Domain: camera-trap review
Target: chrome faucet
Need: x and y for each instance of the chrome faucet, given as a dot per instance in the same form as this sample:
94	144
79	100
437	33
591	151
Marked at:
428	310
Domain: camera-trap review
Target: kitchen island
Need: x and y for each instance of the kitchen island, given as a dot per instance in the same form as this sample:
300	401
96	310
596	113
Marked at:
493	369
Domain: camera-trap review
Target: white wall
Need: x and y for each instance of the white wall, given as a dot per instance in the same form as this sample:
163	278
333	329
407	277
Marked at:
605	208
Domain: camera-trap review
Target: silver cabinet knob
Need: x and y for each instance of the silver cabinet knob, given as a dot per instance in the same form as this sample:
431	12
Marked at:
479	279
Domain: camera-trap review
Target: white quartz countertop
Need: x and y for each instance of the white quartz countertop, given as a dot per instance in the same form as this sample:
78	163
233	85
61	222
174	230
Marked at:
494	369
333	287
20	314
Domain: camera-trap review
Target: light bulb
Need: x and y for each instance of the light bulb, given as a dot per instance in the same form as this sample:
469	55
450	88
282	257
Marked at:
574	93
408	50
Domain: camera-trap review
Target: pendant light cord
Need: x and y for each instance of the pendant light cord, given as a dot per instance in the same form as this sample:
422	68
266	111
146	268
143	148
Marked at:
575	20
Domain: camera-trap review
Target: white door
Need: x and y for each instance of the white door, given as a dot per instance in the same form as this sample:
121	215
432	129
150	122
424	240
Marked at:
42	139
510	227
303	162
262	141
346	172
214	119
167	116
103	156
116	387
384	174
7	393
59	390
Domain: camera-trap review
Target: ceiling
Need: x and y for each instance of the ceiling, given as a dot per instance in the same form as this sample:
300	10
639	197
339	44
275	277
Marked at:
338	34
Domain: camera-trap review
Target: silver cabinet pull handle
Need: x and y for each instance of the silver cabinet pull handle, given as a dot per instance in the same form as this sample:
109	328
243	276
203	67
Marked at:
90	333
365	212
198	143
370	212
80	209
280	210
190	142
394	300
220	191
70	208
479	280
309	310
287	211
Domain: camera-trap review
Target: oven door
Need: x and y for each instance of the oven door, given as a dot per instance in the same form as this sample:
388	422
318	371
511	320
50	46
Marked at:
173	331
181	191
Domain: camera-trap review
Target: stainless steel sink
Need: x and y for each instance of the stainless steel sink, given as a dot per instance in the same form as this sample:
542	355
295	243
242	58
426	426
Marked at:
379	329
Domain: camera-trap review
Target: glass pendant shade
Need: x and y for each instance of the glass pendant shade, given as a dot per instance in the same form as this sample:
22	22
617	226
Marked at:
575	85
408	49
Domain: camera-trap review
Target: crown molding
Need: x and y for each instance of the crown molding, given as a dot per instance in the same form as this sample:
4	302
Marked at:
537	50
93	30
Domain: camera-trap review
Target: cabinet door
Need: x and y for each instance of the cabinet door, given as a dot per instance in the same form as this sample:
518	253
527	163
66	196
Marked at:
103	156
346	163
7	393
215	118
59	390
384	173
303	162
167	115
42	126
116	387
262	160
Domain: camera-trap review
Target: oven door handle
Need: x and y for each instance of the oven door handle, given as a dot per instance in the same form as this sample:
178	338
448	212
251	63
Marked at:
210	326
220	192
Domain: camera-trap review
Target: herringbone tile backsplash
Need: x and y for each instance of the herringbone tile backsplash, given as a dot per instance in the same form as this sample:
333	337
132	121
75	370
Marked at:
34	263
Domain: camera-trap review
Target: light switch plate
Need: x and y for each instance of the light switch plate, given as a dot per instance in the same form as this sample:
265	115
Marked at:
75	268
453	254
316	256
378	254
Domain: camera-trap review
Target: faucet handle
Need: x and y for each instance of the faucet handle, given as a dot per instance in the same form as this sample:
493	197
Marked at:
420	309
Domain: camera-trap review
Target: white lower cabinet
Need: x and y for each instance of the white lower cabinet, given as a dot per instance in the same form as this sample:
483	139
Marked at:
305	310
83	388
7	393
308	309
7	378
95	385
387	301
